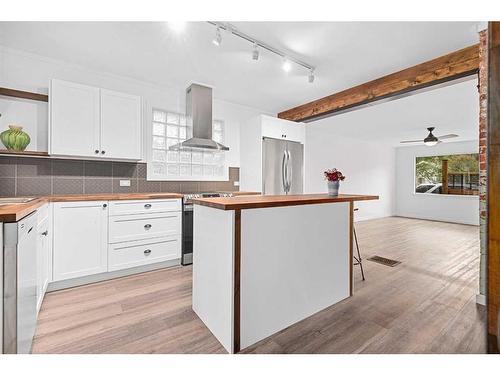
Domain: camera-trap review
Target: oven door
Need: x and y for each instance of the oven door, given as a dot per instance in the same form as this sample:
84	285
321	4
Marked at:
187	234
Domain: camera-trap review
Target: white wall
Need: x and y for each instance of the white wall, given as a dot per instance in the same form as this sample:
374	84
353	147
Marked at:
369	167
451	208
26	71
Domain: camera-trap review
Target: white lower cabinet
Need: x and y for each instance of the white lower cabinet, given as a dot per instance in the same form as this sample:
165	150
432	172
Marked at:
80	239
43	253
138	253
98	237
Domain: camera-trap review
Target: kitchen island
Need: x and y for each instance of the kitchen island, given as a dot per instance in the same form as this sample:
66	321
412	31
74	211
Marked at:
263	263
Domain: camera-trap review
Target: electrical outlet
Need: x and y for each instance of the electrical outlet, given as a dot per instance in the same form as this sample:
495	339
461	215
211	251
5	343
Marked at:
124	182
236	183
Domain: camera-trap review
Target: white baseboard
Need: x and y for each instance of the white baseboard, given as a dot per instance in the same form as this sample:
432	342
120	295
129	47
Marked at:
64	284
481	299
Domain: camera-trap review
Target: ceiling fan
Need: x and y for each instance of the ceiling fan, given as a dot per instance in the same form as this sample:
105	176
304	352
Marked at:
431	139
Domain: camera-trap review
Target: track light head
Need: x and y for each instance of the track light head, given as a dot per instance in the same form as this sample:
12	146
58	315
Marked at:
255	52
286	65
218	37
310	78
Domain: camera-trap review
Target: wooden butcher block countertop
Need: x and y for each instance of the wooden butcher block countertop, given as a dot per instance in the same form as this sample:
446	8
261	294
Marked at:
263	201
15	212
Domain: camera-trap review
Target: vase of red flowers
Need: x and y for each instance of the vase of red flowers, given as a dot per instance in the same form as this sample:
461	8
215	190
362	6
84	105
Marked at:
333	177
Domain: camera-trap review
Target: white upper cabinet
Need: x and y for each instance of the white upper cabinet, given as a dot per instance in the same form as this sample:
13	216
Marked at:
88	121
74	119
273	127
120	125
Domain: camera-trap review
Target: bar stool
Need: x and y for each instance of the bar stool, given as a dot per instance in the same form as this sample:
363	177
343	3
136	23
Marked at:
359	261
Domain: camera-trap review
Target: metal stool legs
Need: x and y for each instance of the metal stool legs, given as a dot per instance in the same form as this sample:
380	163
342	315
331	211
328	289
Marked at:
358	259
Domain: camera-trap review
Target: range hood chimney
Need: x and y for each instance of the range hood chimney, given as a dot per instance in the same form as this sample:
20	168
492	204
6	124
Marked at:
199	116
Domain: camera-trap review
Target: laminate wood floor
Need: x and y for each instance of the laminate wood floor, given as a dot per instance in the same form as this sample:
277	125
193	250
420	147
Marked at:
424	305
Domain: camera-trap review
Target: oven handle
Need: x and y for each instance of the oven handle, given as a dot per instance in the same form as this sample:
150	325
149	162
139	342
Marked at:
188	207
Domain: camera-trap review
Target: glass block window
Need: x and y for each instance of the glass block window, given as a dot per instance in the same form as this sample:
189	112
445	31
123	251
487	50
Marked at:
168	129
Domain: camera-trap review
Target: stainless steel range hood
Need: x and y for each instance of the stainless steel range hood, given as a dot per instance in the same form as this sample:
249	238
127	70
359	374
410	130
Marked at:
199	115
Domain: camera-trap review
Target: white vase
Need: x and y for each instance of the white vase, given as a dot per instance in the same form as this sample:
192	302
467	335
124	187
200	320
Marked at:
333	188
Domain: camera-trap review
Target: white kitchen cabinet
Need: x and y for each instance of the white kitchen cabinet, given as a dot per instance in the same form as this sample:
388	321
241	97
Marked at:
80	239
74	119
120	124
42	260
273	127
91	122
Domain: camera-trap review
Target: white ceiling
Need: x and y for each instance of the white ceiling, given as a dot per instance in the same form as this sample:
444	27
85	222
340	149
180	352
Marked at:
344	53
450	109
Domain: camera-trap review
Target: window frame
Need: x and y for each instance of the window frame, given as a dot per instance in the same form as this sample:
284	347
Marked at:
444	196
152	176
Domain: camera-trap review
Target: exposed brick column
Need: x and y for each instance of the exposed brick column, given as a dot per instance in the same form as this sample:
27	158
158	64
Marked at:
483	152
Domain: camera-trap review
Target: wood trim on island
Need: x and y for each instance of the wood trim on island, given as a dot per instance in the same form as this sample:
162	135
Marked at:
264	201
458	64
237	281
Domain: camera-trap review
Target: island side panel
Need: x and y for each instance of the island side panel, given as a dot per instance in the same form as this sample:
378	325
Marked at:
294	263
213	271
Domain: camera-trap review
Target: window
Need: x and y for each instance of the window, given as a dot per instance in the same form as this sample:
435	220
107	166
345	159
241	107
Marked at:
447	174
171	128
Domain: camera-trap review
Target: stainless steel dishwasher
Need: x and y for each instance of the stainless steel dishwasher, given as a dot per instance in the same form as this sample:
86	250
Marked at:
19	282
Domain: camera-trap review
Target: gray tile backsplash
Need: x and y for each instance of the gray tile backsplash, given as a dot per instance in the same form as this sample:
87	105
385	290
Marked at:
44	176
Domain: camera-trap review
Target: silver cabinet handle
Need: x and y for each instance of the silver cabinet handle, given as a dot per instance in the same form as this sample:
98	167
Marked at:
147	251
147	226
96	151
103	152
45	233
147	205
104	205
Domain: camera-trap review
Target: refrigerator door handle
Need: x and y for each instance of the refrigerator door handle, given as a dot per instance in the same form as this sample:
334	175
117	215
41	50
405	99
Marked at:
289	174
284	172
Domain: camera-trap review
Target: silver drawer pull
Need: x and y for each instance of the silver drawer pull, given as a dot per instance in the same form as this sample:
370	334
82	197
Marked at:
45	233
147	226
147	251
147	205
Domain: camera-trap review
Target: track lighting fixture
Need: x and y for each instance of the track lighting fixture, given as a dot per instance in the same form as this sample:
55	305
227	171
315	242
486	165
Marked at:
255	52
259	45
286	65
310	77
218	37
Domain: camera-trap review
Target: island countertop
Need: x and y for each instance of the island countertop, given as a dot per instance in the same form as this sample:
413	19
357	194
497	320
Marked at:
264	201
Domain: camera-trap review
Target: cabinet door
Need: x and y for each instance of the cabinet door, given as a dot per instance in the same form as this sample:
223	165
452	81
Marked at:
42	259
80	239
277	128
120	125
74	119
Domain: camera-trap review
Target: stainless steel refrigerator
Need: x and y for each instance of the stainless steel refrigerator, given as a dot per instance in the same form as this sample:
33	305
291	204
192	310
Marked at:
282	167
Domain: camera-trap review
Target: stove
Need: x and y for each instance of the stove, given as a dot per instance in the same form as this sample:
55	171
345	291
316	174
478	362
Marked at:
187	222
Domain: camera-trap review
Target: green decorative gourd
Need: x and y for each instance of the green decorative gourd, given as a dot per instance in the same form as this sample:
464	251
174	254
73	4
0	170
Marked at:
15	139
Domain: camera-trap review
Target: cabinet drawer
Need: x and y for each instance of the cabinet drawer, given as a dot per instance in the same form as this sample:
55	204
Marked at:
144	206
141	227
139	253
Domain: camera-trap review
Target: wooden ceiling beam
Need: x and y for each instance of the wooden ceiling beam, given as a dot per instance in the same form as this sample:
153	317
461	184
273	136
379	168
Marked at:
452	66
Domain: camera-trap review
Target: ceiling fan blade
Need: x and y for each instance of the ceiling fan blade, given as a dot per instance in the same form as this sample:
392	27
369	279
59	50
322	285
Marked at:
411	141
447	136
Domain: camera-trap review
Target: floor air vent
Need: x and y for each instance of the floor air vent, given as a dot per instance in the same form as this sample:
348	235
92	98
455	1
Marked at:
384	261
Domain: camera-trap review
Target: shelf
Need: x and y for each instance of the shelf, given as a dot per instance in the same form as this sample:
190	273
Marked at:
25	153
23	94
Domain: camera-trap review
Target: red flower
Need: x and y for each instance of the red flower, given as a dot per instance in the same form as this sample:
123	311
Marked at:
333	175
